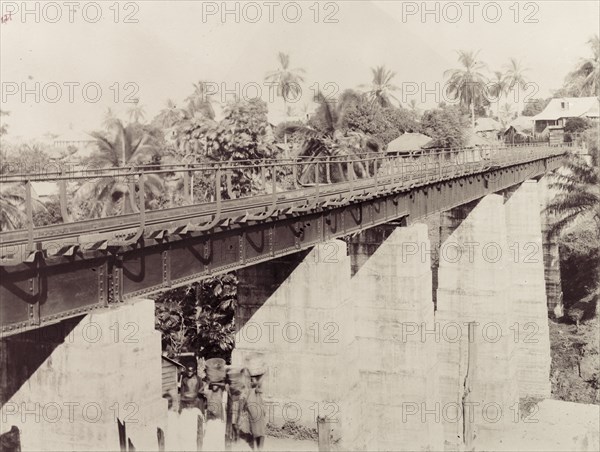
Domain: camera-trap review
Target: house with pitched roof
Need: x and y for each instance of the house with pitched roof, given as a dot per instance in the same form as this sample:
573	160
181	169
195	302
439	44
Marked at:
560	109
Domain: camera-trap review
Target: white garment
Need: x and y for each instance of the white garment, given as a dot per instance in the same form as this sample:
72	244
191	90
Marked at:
214	435
188	429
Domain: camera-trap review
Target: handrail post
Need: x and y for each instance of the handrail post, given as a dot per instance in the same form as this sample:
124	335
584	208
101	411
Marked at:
29	201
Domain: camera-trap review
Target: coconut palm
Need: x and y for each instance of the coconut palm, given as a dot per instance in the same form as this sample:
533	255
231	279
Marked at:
467	84
287	79
136	112
199	102
497	88
13	207
579	192
381	87
3	126
123	146
585	78
168	116
506	114
514	78
110	118
326	136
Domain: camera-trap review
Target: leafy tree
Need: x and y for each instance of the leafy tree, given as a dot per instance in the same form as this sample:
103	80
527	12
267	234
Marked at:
576	125
383	124
382	87
446	126
199	318
467	83
584	80
535	106
287	79
51	214
579	252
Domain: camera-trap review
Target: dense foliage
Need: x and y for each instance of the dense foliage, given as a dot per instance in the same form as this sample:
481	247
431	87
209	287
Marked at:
446	126
199	318
579	263
535	106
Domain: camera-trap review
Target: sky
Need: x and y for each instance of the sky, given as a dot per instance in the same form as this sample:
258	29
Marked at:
62	65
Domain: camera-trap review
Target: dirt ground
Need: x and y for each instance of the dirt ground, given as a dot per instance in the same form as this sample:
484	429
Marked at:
575	361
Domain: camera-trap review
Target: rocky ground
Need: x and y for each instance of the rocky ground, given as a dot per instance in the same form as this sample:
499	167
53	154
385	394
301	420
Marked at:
575	357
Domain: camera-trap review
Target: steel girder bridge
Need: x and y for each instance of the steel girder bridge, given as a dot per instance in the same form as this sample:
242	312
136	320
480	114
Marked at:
55	272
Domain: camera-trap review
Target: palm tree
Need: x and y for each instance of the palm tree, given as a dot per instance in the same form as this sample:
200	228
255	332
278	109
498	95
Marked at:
136	112
287	80
381	87
506	114
467	84
497	89
121	147
168	116
326	135
12	206
514	77
200	102
585	78
110	118
3	126
579	192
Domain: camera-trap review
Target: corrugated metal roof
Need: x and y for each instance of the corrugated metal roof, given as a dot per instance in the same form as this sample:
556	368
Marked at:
569	107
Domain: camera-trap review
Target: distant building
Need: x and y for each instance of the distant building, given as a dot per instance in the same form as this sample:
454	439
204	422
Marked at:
408	142
519	130
560	109
488	128
72	142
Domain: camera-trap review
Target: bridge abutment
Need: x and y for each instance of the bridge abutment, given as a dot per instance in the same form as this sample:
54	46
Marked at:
65	385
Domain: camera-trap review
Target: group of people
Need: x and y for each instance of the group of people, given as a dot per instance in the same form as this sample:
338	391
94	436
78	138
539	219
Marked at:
225	407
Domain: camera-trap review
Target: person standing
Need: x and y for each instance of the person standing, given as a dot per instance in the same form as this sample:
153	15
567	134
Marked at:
255	407
191	417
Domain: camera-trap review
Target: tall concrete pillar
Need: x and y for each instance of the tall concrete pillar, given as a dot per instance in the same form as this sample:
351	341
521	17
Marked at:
391	290
478	384
550	248
295	312
528	290
64	386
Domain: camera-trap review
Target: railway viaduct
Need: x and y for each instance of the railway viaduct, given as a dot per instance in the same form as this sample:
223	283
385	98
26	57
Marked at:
407	309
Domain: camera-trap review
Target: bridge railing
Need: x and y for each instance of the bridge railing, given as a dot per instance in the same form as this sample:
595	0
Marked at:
255	187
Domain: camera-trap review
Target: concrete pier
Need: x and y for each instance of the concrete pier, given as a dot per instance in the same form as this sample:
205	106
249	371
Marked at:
528	290
478	371
391	290
295	312
65	386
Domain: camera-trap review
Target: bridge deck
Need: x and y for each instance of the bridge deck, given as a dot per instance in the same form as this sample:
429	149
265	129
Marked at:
54	272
